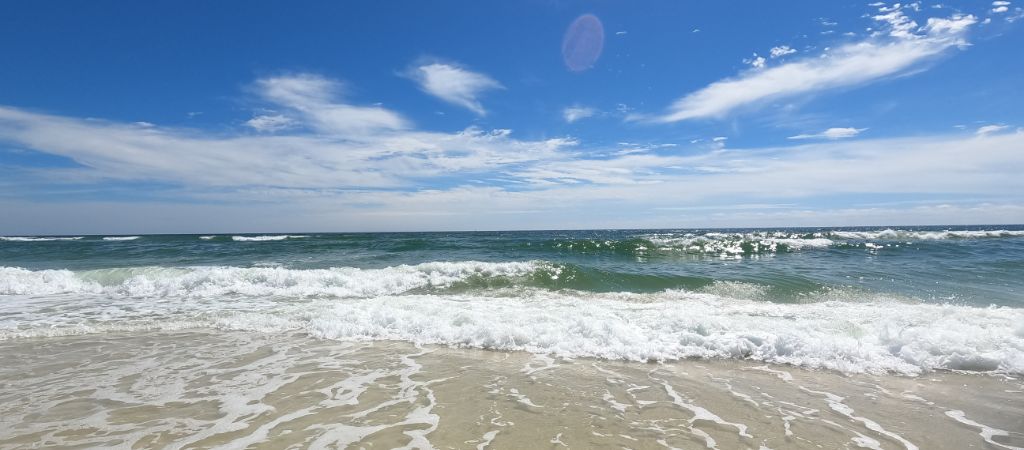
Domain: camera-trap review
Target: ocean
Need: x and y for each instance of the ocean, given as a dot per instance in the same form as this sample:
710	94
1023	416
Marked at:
731	338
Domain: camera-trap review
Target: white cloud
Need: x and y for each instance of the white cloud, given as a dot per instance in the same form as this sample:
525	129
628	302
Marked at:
1018	13
317	99
646	191
956	25
335	145
896	52
454	84
270	123
780	51
900	26
574	113
831	133
756	61
987	129
883	8
625	169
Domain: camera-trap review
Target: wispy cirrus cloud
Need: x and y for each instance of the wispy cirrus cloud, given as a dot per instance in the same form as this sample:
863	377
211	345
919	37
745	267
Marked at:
342	177
318	102
901	47
574	113
327	143
454	84
831	133
645	191
269	123
988	129
312	158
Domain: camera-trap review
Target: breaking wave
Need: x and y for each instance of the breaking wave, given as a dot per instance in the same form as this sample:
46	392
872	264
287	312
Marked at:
207	282
351	282
508	310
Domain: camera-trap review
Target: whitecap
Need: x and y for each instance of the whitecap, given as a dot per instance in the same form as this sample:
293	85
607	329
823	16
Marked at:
274	237
37	239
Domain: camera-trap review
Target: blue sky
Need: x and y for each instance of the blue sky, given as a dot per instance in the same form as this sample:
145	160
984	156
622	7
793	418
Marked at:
134	117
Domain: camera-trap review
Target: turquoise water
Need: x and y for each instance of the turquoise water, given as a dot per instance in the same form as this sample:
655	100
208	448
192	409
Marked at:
855	299
968	265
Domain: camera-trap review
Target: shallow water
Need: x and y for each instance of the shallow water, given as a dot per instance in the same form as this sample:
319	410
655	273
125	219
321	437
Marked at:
216	389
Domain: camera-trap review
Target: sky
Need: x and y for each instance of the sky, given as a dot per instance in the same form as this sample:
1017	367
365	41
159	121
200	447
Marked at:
206	117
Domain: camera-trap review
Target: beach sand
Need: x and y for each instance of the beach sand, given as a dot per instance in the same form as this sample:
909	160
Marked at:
210	389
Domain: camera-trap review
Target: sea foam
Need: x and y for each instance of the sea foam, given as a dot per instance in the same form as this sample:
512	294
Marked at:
870	334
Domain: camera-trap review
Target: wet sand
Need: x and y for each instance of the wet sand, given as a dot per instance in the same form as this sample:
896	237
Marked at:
216	389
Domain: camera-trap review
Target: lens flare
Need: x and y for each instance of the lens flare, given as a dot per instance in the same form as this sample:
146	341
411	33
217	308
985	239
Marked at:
583	43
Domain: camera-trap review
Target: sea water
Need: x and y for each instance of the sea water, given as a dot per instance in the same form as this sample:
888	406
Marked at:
747	310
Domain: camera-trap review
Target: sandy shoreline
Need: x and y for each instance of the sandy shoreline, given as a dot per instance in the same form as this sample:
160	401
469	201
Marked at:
207	389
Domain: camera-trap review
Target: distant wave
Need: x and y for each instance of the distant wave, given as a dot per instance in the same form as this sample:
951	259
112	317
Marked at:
207	238
120	238
891	234
865	333
274	237
711	244
37	239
